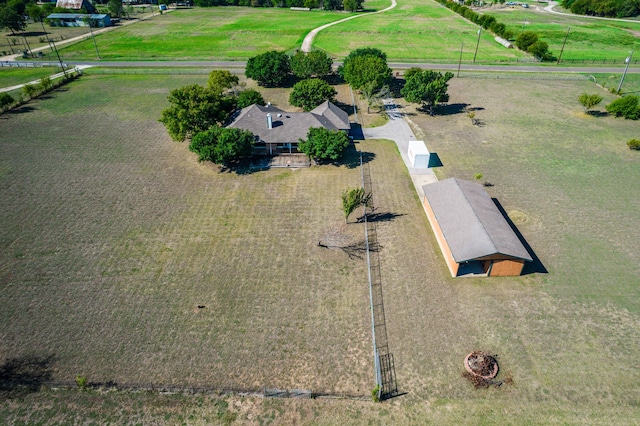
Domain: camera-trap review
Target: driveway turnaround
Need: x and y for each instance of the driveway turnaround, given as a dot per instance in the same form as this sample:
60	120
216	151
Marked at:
398	130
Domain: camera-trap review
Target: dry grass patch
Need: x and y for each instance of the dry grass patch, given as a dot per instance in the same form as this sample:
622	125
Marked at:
110	245
115	234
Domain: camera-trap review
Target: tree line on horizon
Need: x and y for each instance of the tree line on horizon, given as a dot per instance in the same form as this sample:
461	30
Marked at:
349	5
605	8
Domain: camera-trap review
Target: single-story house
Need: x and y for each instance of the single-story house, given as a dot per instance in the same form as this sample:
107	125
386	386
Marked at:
79	20
473	235
278	131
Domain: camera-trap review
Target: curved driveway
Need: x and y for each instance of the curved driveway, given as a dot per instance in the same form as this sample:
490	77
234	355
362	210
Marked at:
308	40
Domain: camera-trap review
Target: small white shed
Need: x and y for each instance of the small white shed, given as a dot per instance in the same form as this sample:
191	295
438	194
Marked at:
418	154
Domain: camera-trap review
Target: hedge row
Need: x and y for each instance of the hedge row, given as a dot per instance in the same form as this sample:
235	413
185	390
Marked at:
488	22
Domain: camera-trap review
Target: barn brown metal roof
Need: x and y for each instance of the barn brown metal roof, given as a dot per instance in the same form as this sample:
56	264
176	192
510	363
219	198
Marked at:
470	221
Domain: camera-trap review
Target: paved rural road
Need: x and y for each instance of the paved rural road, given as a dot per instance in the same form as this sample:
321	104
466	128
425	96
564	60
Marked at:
308	40
393	65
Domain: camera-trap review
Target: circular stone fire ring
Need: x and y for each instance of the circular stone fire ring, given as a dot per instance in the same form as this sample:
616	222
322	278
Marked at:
481	364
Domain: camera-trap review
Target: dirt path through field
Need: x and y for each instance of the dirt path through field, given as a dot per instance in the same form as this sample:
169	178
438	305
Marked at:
308	40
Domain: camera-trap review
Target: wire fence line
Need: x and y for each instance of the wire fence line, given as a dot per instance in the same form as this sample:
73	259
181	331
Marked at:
384	366
202	390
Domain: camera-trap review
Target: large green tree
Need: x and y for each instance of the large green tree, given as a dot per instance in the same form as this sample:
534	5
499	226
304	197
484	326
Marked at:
367	69
195	109
11	19
310	93
115	8
222	145
313	64
323	144
269	69
526	39
427	87
250	97
352	5
540	50
221	80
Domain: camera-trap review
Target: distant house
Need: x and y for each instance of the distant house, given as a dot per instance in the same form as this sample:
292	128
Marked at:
473	235
76	5
278	131
79	20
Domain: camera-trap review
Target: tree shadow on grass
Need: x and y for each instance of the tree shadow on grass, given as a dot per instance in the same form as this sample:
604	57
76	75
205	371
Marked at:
380	217
356	250
534	267
25	374
598	114
33	34
20	110
351	157
452	109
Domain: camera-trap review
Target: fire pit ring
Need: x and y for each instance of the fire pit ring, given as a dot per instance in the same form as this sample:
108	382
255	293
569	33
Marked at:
481	365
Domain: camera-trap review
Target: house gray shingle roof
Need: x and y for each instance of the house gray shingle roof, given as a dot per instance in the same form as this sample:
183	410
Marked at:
470	221
289	127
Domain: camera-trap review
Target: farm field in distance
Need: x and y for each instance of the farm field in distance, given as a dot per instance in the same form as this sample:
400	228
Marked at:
588	40
232	33
113	235
415	31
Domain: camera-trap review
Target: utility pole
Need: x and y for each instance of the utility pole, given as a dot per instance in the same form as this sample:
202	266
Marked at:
460	60
477	45
627	61
27	43
563	43
54	48
93	38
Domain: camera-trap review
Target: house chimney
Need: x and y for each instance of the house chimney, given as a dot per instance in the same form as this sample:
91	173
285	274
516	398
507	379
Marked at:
269	121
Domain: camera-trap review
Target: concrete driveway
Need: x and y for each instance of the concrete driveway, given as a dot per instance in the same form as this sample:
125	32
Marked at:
399	131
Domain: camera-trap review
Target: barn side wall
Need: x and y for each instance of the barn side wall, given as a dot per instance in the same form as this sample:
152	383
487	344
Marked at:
442	242
506	268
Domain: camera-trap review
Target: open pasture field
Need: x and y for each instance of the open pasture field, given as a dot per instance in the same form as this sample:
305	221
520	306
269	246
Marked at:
415	31
111	243
112	235
205	34
589	39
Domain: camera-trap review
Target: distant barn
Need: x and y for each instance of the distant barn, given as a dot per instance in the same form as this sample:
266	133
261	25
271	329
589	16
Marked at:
473	235
79	20
76	5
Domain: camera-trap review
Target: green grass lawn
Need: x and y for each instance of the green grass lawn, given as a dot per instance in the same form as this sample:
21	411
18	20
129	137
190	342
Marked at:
415	31
14	76
589	39
205	34
113	234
